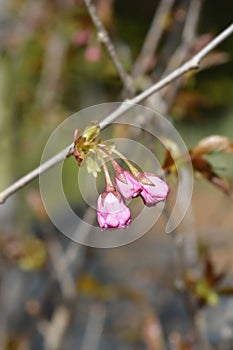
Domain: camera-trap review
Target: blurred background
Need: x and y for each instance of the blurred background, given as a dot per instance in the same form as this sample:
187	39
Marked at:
56	294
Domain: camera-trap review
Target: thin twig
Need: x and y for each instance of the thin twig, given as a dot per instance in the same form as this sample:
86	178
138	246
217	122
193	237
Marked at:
55	330
62	263
104	38
183	50
185	248
191	64
49	85
94	327
59	157
152	38
188	35
61	272
180	285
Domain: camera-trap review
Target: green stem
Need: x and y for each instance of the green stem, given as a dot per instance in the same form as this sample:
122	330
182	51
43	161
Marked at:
132	168
109	185
114	163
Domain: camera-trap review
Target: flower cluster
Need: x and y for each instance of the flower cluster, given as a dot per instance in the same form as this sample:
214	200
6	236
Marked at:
112	211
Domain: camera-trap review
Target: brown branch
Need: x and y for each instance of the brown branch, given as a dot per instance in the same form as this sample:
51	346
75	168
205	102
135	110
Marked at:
191	64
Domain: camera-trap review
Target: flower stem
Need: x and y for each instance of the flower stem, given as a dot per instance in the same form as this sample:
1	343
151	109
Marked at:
132	168
109	185
115	165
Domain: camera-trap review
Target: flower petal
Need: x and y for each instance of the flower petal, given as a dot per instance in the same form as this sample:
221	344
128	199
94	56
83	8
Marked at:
112	211
154	194
130	188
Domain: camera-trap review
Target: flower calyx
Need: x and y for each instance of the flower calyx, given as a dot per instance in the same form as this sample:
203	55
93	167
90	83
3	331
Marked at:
85	141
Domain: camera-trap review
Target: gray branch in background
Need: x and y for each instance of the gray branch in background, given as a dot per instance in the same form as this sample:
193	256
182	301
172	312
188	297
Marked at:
94	328
183	50
49	85
152	38
191	64
104	38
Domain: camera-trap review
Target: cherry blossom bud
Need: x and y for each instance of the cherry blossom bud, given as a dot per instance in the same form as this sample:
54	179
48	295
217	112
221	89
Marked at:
81	37
112	211
152	194
127	184
93	53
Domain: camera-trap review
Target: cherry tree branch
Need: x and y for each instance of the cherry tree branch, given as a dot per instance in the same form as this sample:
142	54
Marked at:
126	105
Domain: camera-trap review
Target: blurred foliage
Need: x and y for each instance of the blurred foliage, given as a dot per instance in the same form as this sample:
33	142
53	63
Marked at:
208	287
26	252
201	162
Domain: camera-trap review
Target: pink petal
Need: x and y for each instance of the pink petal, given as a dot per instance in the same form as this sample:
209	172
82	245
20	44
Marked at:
112	211
131	188
154	194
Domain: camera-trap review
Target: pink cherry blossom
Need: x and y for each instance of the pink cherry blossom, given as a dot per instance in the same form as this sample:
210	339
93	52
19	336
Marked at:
154	194
112	211
127	184
93	53
81	37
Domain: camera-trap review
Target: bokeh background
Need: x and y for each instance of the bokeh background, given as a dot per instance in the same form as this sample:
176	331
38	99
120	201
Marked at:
56	294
